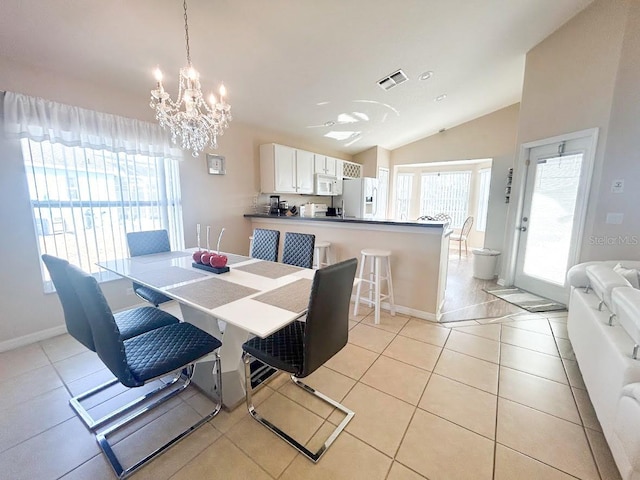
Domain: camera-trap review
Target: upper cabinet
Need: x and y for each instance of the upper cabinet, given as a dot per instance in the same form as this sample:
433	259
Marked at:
304	171
290	170
285	169
325	165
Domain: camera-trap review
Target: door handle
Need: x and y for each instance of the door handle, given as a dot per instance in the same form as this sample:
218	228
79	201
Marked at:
522	229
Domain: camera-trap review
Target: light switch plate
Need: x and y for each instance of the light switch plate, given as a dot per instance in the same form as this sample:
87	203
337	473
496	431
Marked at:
615	218
617	186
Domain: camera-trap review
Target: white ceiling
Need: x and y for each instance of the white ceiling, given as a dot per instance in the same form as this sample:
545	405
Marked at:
292	65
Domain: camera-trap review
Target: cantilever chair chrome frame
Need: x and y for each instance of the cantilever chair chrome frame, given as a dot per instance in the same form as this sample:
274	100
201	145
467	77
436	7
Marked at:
102	436
325	333
134	362
131	323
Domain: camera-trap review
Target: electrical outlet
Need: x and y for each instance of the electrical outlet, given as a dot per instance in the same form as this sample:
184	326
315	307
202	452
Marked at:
130	291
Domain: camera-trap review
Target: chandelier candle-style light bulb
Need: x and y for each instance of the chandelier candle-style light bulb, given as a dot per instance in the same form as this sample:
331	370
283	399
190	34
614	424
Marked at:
190	117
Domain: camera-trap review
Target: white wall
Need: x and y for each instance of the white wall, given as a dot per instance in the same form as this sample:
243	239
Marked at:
207	199
586	75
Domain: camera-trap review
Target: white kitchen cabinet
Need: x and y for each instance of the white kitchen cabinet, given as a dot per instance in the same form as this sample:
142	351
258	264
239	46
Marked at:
325	165
285	170
304	171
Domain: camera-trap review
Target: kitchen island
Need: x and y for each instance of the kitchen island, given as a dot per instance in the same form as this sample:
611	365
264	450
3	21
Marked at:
419	253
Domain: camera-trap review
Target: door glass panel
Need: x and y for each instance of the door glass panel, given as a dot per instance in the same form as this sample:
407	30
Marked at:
550	222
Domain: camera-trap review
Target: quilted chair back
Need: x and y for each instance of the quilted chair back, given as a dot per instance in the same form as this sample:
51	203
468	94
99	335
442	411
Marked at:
327	323
146	243
75	317
265	244
106	335
298	249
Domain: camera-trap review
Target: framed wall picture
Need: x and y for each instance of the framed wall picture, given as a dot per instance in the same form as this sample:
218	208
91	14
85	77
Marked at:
215	164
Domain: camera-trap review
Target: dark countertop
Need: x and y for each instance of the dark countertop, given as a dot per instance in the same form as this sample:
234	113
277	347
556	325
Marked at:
398	223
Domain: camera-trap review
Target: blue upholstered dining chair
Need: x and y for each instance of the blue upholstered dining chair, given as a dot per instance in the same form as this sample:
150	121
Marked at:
298	249
146	243
168	350
130	323
301	348
265	244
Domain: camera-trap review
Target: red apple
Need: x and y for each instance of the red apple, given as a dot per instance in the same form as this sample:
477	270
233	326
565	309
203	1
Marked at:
206	257
218	261
197	255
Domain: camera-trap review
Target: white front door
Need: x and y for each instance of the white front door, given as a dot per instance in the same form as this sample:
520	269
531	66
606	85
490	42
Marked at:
551	223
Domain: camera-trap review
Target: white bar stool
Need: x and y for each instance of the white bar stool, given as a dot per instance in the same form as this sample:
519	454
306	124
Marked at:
322	257
250	244
376	258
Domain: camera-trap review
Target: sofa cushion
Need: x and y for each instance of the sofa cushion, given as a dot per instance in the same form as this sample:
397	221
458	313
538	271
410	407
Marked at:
631	274
603	280
626	306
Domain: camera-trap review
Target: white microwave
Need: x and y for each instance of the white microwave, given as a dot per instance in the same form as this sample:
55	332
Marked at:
327	185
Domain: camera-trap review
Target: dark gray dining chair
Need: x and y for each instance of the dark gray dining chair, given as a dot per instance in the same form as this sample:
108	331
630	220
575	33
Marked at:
130	324
298	249
302	347
147	243
265	244
168	350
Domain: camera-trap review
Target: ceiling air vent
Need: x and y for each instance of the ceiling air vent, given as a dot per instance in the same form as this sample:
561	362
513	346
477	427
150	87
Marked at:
390	81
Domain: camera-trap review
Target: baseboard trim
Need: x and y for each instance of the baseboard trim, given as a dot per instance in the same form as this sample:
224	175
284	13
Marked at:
32	338
406	311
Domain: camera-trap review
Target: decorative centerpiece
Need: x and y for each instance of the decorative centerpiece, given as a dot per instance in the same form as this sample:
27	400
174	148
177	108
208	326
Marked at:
213	262
197	256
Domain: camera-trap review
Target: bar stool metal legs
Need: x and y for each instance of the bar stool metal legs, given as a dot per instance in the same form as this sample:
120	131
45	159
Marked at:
380	269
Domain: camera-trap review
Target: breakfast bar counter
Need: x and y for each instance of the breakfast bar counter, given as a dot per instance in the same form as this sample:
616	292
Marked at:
419	253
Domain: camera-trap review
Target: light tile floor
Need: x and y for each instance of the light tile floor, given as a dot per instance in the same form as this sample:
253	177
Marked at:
493	398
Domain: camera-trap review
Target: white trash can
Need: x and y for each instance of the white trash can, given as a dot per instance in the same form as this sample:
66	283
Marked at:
484	263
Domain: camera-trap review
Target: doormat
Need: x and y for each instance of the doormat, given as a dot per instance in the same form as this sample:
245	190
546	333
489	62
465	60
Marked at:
523	299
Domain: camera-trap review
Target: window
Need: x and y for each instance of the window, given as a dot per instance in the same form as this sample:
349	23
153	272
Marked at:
92	178
484	182
84	201
446	192
403	195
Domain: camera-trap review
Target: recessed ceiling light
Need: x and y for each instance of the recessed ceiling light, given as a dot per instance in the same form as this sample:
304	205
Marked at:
425	75
439	98
330	123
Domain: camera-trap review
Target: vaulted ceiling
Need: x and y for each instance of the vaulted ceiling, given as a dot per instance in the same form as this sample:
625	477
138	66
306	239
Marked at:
308	68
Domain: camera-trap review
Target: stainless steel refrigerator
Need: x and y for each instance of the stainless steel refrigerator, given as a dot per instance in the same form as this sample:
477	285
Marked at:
360	197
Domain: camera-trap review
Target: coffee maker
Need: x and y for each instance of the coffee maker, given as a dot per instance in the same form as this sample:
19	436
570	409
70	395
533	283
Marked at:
274	204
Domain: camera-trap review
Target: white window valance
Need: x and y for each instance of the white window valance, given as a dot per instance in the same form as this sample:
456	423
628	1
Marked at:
39	119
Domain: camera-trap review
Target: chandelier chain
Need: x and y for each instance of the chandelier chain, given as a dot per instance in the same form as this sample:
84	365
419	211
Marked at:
186	33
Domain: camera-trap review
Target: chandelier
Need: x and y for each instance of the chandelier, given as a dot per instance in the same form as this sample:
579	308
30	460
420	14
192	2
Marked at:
190	117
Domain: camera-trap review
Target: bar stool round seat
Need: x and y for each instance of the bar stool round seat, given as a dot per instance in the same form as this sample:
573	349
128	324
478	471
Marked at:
379	260
322	254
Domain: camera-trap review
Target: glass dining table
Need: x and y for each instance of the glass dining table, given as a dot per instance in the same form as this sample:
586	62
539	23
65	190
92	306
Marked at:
255	297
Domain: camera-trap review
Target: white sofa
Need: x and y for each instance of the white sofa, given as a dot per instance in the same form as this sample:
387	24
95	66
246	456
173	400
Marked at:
604	329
